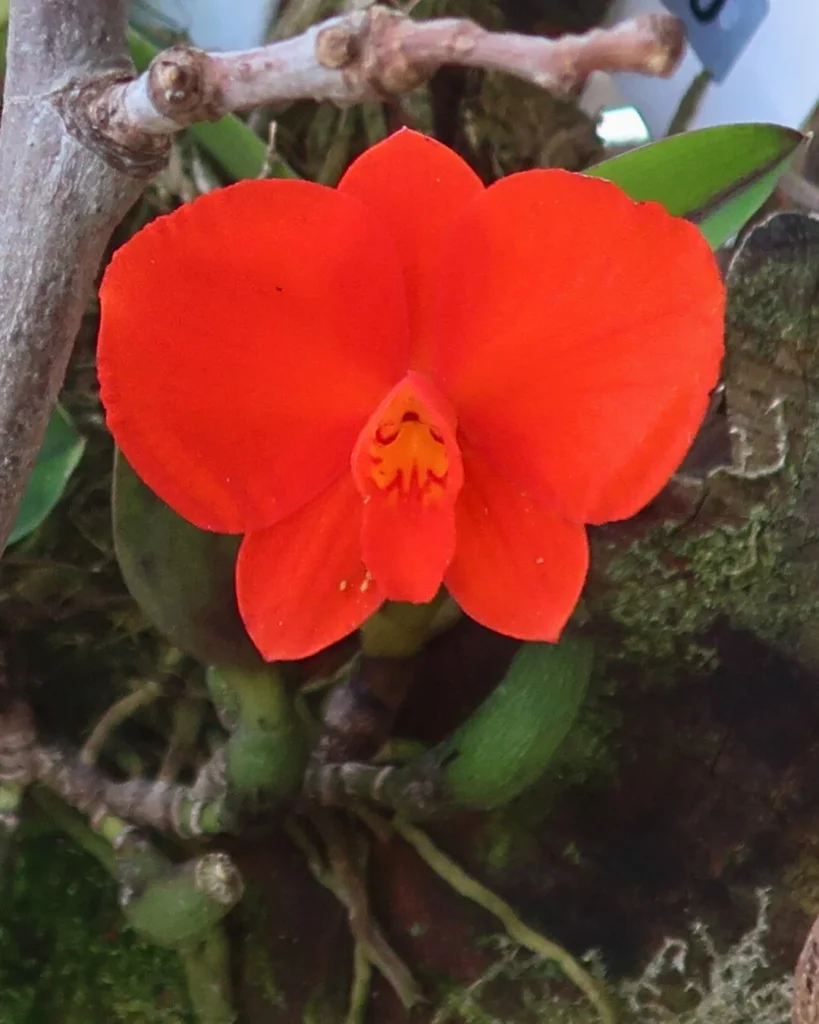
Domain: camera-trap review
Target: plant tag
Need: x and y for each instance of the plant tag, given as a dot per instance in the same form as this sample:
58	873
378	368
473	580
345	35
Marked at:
719	30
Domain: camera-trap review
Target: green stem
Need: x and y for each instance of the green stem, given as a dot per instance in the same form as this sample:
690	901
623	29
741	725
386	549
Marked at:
266	755
360	988
157	888
207	966
170	909
338	153
263	700
174	904
214	820
399	630
471	889
75	826
223	698
115	715
112	829
170	904
11	796
188	715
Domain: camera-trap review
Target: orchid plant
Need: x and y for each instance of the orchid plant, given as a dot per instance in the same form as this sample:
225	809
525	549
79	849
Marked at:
341	411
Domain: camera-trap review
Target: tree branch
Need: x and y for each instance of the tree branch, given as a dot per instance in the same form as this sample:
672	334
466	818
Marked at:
60	203
368	55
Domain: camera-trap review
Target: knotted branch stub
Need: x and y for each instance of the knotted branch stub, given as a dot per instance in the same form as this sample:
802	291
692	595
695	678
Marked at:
367	56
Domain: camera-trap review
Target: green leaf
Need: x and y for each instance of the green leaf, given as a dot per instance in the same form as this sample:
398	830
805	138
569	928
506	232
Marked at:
508	742
61	450
715	177
181	577
143	50
236	148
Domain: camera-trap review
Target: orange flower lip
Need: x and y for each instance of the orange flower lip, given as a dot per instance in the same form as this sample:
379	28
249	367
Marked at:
408	449
409	455
407	466
409	381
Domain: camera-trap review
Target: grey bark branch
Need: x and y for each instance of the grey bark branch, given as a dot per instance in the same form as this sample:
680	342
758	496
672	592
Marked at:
79	135
368	55
60	203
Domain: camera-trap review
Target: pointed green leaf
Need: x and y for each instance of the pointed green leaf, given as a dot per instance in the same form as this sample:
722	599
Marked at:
715	177
181	577
61	450
236	148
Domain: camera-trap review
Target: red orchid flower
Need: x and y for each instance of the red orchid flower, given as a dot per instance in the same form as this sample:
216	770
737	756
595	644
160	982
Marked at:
409	381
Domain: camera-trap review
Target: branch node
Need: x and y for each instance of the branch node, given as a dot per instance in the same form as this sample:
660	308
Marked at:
337	46
92	115
179	84
670	35
386	65
464	39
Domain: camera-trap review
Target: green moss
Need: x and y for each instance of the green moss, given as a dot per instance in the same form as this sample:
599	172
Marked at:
259	972
802	878
65	957
323	1006
772	304
670	587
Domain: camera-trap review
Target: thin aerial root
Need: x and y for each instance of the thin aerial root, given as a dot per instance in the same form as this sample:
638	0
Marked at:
471	889
360	988
343	877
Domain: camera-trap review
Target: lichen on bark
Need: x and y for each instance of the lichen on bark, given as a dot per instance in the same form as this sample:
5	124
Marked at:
737	546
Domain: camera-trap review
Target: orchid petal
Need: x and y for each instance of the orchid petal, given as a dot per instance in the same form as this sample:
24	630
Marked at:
302	584
245	339
418	187
579	335
518	568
